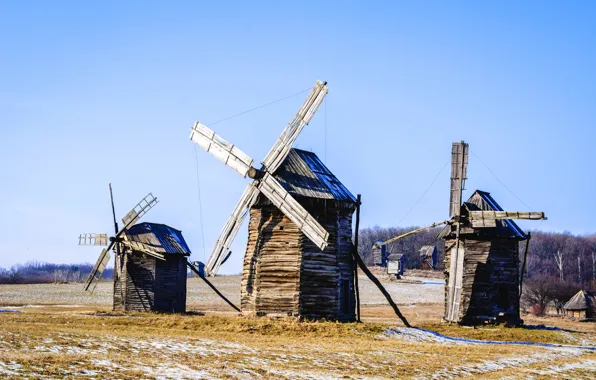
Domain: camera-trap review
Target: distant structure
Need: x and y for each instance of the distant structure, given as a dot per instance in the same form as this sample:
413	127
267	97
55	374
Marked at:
428	257
582	305
396	264
379	254
298	258
149	263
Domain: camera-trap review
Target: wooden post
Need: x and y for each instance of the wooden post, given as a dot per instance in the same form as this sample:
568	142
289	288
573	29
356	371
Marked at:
359	197
523	269
212	287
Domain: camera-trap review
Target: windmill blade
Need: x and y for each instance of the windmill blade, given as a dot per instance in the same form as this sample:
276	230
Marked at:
284	201
93	239
284	143
221	149
483	219
138	211
459	173
98	268
228	233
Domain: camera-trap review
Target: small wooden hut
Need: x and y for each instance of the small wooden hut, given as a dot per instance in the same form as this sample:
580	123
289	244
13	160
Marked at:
428	257
396	264
152	273
284	273
582	305
379	254
487	287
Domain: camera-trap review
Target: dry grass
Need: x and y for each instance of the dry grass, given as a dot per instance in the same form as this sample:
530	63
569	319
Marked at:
66	334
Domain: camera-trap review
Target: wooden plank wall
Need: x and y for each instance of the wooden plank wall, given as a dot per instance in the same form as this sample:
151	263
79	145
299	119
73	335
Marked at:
271	270
490	279
285	273
170	284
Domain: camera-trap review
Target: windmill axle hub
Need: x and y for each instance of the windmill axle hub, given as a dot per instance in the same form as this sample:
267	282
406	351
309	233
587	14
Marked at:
255	173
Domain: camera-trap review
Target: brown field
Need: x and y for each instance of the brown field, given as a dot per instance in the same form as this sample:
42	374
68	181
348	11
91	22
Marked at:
57	331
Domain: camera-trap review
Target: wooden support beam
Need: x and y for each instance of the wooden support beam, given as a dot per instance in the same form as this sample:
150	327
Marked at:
359	197
418	230
212	287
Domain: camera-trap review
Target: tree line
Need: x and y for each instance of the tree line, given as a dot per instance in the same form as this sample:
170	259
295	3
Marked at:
558	265
37	273
564	256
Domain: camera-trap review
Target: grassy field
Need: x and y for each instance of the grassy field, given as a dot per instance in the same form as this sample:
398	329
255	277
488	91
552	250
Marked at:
55	331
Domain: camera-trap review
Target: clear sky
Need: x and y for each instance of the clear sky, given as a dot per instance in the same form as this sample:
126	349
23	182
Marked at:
99	92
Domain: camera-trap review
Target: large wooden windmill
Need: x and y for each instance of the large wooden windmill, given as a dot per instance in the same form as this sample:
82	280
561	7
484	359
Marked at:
149	264
481	252
298	259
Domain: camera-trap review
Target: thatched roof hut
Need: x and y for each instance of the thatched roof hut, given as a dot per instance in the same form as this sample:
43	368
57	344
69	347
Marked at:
581	305
428	257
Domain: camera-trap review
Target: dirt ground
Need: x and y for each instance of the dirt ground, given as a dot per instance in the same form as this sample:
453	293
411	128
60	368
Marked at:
58	331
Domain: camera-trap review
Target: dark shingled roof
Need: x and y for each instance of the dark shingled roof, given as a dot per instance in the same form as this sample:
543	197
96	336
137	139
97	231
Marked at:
158	238
303	174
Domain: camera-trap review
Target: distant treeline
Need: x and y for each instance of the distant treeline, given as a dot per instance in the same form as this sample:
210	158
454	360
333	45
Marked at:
36	272
561	256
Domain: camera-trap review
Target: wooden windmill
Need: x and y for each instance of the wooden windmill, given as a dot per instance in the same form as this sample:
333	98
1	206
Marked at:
149	264
481	252
298	259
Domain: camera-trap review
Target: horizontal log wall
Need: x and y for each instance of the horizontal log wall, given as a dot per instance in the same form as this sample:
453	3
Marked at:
148	284
285	273
490	283
170	284
271	272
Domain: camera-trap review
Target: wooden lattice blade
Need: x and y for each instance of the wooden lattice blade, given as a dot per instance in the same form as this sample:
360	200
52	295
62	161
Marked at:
227	153
284	201
487	219
93	239
459	173
138	211
98	268
284	143
230	229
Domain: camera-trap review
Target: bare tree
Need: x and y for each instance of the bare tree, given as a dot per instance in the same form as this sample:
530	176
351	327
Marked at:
538	293
593	265
559	261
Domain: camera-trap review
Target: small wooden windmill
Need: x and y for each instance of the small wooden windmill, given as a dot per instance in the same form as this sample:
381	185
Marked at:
481	252
299	254
149	265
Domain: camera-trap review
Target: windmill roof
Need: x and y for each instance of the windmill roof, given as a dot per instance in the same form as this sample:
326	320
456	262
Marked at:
505	223
158	238
483	201
303	174
395	256
581	301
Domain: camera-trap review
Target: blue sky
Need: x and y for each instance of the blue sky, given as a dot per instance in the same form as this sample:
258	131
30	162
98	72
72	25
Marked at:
93	93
